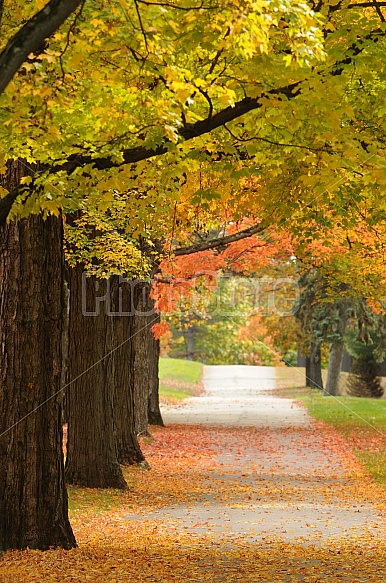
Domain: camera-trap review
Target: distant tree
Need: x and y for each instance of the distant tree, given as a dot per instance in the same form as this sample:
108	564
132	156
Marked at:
368	352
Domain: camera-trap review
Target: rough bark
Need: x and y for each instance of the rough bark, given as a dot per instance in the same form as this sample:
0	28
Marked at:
154	413
65	346
91	453
146	353
141	372
33	497
127	446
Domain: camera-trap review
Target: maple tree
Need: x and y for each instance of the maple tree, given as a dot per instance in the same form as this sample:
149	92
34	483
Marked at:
342	281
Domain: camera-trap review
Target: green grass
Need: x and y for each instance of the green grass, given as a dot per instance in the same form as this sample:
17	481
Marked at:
179	379
186	371
170	393
347	412
361	421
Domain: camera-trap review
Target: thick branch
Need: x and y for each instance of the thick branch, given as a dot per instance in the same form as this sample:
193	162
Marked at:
190	131
134	155
31	36
220	241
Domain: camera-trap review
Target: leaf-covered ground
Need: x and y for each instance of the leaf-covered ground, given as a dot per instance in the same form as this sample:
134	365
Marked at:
122	539
279	503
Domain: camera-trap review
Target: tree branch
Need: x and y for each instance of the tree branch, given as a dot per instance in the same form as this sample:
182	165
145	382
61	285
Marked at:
226	240
190	131
31	36
180	279
366	5
134	155
176	7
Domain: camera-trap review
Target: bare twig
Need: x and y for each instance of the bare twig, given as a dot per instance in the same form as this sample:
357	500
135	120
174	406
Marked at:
141	24
273	143
69	32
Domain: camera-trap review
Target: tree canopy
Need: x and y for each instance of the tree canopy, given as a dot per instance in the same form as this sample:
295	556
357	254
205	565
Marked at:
219	111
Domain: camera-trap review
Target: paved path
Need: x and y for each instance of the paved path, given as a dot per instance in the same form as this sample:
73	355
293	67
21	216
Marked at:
237	395
293	479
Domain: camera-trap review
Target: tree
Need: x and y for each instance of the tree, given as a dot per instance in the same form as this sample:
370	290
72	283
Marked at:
337	269
104	317
127	446
91	449
33	496
366	343
220	315
157	59
145	360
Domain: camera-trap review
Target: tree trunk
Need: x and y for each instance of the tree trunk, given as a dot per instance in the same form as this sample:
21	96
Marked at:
334	368
127	446
91	452
189	339
145	371
154	412
65	345
315	367
33	497
308	371
336	353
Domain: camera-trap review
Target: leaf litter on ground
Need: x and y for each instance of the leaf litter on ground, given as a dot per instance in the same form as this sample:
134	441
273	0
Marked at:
228	469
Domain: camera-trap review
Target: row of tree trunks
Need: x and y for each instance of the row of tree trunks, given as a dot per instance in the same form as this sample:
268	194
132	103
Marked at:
35	337
113	370
91	451
127	446
314	378
145	360
33	496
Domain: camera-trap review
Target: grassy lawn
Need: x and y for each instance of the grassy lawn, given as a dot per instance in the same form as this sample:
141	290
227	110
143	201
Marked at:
361	421
179	379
